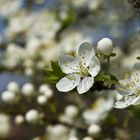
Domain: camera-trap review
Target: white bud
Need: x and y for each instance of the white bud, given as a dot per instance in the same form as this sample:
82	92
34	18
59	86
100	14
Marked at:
87	138
43	88
19	119
28	89
32	116
46	90
73	138
13	86
49	93
41	100
9	97
94	130
71	111
105	46
29	71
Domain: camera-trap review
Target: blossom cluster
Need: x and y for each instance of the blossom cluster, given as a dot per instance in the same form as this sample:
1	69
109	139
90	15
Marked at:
78	46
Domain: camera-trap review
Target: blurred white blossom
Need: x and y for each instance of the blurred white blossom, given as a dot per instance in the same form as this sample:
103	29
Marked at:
130	90
32	116
5	127
9	97
94	130
19	119
100	108
57	132
28	89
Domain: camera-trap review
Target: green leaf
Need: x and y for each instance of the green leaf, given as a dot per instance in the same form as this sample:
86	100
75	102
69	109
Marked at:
107	78
56	69
54	74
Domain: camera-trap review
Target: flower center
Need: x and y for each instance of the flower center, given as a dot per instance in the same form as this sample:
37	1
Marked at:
83	71
131	85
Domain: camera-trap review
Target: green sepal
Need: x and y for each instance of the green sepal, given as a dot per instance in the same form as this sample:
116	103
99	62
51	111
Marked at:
108	78
54	74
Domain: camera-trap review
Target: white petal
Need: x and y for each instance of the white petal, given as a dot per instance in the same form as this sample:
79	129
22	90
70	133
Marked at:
69	64
137	102
68	83
86	52
85	85
94	66
126	101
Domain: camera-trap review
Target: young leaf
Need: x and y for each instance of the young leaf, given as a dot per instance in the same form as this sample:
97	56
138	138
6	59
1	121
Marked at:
54	74
107	78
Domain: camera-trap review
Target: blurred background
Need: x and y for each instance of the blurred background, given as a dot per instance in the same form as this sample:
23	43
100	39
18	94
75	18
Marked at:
35	32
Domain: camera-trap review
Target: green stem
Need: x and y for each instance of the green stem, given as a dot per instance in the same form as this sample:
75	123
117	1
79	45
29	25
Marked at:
108	64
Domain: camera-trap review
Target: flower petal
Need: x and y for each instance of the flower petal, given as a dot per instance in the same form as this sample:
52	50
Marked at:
126	101
86	52
94	66
137	102
85	84
69	64
68	83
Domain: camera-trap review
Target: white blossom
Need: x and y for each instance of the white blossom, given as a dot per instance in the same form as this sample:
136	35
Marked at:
130	90
80	70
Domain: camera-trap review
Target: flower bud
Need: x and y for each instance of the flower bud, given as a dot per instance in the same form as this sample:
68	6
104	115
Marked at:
28	89
9	97
105	46
71	111
32	116
28	71
13	86
43	88
46	90
41	100
19	119
94	130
